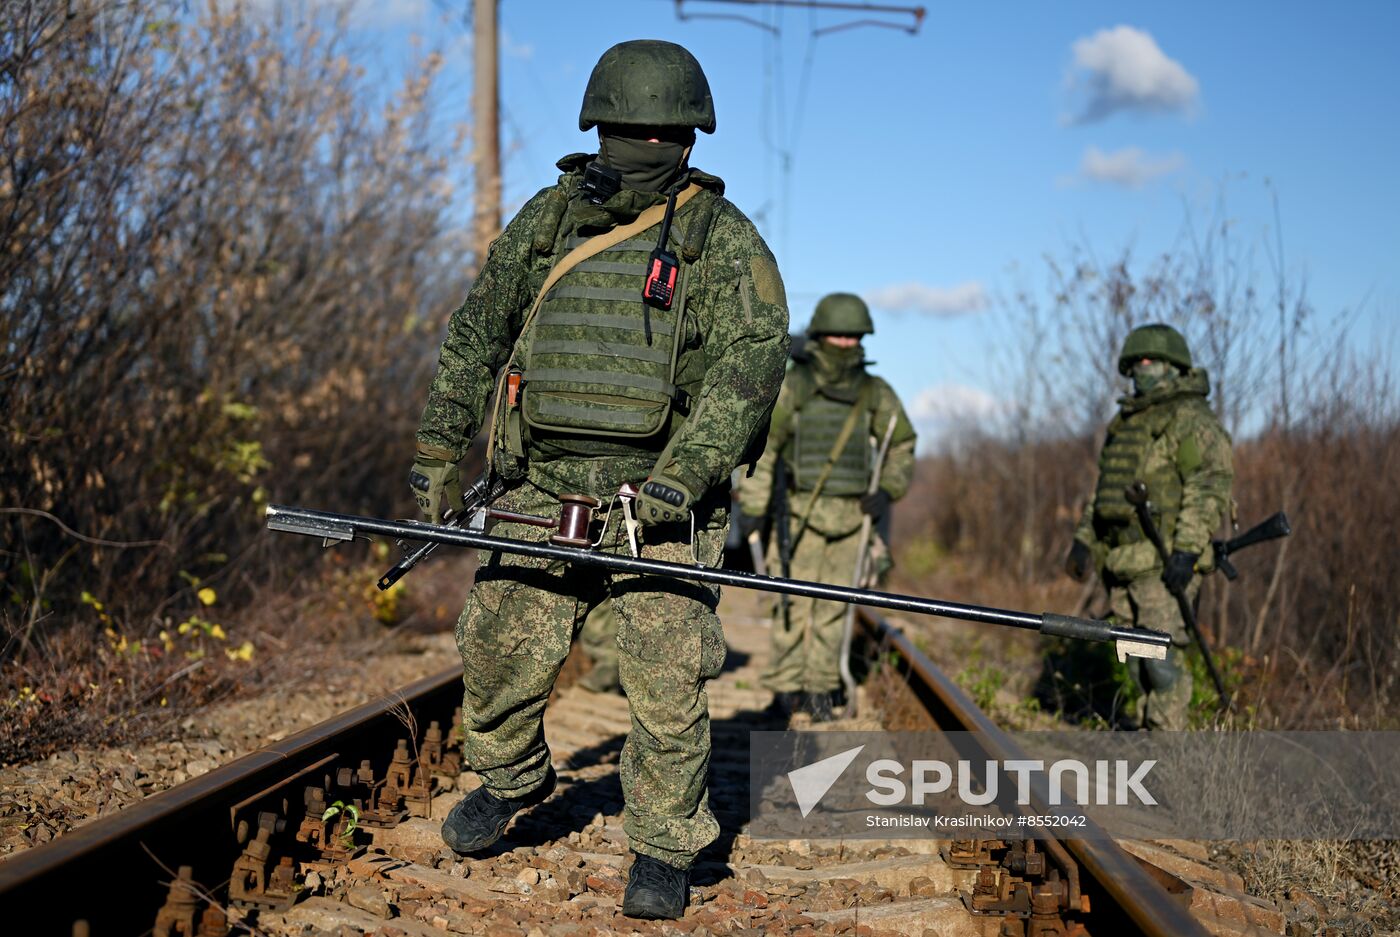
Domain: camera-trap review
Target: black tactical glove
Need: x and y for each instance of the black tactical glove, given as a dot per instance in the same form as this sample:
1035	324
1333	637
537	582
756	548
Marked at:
1079	561
876	503
748	524
435	483
1181	566
663	500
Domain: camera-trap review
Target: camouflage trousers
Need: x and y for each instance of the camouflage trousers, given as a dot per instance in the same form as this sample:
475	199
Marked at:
598	638
514	634
805	649
1166	684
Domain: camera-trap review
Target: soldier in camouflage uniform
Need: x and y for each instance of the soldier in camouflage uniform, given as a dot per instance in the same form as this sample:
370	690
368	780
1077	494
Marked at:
594	389
1165	435
828	426
598	638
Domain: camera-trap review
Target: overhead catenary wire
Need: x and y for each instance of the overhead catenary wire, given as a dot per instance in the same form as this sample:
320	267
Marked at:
781	128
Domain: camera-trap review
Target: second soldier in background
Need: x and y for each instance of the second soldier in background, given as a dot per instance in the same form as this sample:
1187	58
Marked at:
830	424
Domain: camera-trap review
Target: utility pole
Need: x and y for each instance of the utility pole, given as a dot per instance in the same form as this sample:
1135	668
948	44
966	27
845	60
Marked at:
486	136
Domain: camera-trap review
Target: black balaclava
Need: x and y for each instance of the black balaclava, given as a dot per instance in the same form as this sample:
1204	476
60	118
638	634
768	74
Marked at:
645	166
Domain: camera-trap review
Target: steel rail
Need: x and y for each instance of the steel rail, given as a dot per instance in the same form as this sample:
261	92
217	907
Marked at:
114	870
1141	898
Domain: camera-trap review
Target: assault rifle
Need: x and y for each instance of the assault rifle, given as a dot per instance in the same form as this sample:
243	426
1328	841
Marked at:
1274	527
476	498
1271	529
782	530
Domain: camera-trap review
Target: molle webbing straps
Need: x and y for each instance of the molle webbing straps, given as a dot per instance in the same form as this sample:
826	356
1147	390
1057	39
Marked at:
816	429
849	427
594	245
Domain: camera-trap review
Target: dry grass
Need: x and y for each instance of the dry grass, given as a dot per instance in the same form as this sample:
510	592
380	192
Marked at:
224	253
1352	887
70	692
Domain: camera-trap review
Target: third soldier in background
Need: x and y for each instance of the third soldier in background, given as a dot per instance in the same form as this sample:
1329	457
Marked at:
1165	435
830	423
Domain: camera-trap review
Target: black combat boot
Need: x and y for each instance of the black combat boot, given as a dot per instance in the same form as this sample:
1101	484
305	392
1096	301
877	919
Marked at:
655	890
820	706
785	703
479	819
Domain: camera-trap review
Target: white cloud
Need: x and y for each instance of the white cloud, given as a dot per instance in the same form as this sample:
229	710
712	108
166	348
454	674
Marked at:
940	412
953	401
1123	69
970	296
1129	167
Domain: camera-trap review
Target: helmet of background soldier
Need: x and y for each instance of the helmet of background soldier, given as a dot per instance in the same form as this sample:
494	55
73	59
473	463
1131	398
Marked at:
841	314
648	83
1154	341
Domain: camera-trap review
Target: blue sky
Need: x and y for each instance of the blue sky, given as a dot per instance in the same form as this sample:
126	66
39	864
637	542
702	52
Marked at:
949	163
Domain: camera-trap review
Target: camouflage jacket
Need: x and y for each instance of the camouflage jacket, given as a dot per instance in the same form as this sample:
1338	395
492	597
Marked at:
730	369
831	515
1171	440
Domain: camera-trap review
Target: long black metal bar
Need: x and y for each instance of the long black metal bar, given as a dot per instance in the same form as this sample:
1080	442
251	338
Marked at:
332	527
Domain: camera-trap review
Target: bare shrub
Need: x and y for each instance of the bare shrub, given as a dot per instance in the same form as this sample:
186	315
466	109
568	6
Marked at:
1313	621
224	256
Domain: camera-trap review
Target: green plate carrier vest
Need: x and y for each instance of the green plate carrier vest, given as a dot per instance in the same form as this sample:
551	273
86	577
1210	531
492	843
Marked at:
598	361
1121	463
816	427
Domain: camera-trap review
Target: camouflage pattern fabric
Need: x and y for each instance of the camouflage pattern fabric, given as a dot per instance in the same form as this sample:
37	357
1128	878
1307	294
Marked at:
832	516
514	634
1183	454
598	638
1175	444
728	366
522	614
1166	684
805	651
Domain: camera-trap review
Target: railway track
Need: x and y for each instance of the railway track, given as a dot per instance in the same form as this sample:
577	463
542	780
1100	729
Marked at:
334	831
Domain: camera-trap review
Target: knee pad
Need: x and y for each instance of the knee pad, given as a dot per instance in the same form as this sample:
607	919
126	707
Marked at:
1161	674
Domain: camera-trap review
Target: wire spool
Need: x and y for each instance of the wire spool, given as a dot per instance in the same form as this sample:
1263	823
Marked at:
575	517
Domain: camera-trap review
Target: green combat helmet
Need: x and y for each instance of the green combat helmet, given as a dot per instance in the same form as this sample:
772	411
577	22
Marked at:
1154	341
648	83
841	314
